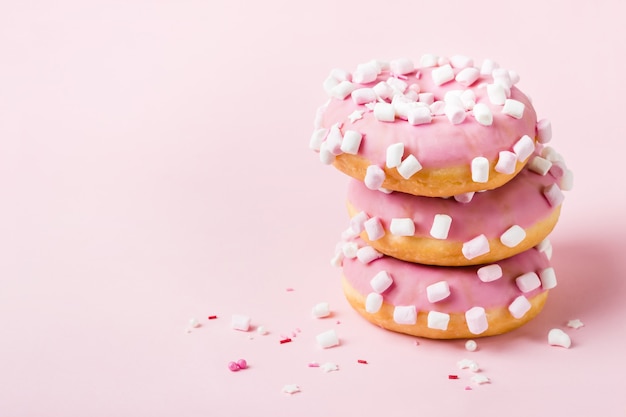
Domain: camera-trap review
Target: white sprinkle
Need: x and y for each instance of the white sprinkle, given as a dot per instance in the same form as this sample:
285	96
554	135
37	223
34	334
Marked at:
539	165
496	94
384	112
513	236
557	337
554	195
519	307
419	115
507	162
480	379
467	76
438	291
575	324
317	138
194	323
409	167
367	254
468	363
513	108
548	278
374	177
482	114
402	227
476	320
373	302
524	147
329	367
355	115
321	310
441	226
471	345
480	169
342	90
438	320
489	273
405	314
240	322
262	330
291	389
374	229
544	131
327	339
401	66
381	282
528	282
442	74
394	155
351	142
475	247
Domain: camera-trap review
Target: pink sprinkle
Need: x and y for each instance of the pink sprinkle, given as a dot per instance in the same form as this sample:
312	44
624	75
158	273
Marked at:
362	361
289	289
338	322
314	365
286	340
468	388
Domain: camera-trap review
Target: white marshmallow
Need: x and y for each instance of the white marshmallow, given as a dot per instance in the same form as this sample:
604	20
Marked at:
409	167
426	98
373	302
467	76
364	95
545	247
468	363
340	74
240	322
397	85
496	94
405	314
476	320
342	90
461	61
513	236
553	194
383	90
319	114
327	339
507	162
480	169
326	156
548	278
438	320
519	307
333	141
384	112
539	165
321	310
401	66
441	226
465	197
365	73
454	113
514	77
567	180
351	142
488	66
468	99
337	259
330	83
438	291
317	138
394	155
419	115
544	131
482	114
524	147
374	177
528	282
502	76
475	247
442	74
489	273
438	108
367	254
402	227
374	229
428	60
357	221
513	108
381	282
557	337
349	249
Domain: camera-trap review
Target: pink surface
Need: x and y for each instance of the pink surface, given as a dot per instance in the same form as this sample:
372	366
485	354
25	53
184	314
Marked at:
154	167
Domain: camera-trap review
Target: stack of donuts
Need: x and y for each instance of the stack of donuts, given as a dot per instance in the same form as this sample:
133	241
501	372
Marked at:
453	193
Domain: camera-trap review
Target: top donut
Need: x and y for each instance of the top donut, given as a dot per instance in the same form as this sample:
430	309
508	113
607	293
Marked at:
441	128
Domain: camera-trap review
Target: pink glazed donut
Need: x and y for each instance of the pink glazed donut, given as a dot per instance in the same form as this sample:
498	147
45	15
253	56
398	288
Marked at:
469	229
445	302
442	128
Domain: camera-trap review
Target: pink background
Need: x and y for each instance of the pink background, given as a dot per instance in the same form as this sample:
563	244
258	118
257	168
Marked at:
154	167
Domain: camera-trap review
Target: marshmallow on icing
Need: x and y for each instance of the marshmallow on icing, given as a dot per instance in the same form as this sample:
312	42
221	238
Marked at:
489	273
374	177
409	167
394	155
402	227
475	247
381	282
405	314
373	302
441	226
519	307
507	162
374	228
513	236
438	320
351	142
476	320
438	291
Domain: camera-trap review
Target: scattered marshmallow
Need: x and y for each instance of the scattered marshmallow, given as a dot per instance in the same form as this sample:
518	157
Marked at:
539	165
426	98
384	112
437	108
519	307
357	222
374	177
476	320
381	282
465	197
327	339
374	228
548	278
496	94
373	302
441	226
462	61
475	247
317	138
351	142
437	320
364	95
471	345
419	115
467	76
482	114
489	273
401	66
557	337
394	155
342	90
468	99
428	60
442	74
409	167
402	227
438	291
405	314
480	169
507	162
528	282
553	194
513	108
383	90
513	236
524	147
488	66
544	131
455	113
240	322
575	324
367	254
365	73
321	310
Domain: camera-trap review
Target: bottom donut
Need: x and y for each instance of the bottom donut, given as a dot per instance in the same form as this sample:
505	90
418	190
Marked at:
445	302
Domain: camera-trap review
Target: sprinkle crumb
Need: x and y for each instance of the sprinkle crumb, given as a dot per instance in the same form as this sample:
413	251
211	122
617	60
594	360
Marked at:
468	388
453	377
291	389
289	289
212	317
313	365
286	340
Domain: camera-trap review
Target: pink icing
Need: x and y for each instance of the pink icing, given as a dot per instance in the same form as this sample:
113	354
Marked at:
410	281
439	143
520	202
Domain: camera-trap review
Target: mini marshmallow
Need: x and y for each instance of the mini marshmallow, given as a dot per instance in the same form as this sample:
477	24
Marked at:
553	194
384	112
468	99
567	180
438	108
349	249
488	66
514	77
438	320
442	74
383	90
394	155
462	61
365	73
364	95
342	90
453	97
333	141
327	339
551	154
419	115
482	114
337	259
319	114
340	74
351	142
496	94
544	131
519	307
374	229
476	320
381	282
438	291
548	278
480	169
374	177
405	314
475	247
373	302
507	162
426	98
557	337
454	113
441	226
240	322
317	138
513	108
513	236
489	273
502	76
467	76
465	197
524	147
528	282
545	247
321	310
428	60
330	83
367	254
401	105
539	165
443	60
397	85
402	227
409	167
357	221
401	66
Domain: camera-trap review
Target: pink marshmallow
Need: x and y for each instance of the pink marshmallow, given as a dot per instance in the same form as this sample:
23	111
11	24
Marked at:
507	162
554	195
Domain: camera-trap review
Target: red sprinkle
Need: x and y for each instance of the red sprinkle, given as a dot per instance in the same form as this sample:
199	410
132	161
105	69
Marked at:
212	317
453	377
287	340
362	361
